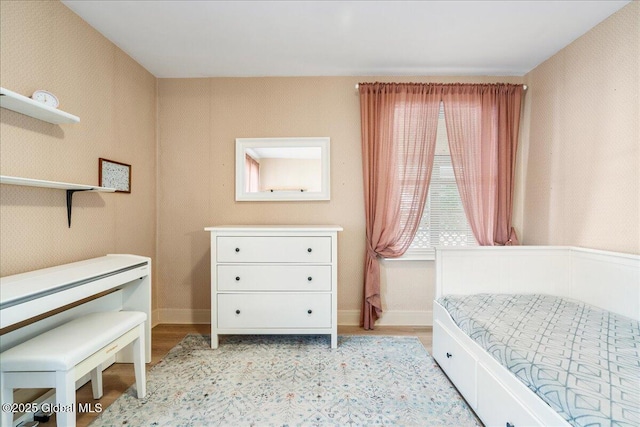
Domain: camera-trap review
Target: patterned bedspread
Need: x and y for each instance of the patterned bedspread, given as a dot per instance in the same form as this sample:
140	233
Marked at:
582	360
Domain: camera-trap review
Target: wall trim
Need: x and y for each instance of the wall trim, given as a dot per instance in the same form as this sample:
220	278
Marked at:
155	317
389	318
184	316
345	317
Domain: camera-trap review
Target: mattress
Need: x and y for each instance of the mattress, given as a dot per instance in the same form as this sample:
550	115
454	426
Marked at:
581	360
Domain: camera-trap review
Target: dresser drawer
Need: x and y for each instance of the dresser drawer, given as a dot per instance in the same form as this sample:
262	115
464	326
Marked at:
234	277
274	311
274	249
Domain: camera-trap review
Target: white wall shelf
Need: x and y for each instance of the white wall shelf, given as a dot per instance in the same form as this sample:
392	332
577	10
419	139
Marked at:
69	187
29	182
27	106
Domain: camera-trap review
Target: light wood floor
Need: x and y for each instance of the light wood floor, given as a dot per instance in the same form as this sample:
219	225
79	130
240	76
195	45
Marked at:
119	377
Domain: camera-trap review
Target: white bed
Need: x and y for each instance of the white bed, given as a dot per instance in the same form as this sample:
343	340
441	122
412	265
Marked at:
603	279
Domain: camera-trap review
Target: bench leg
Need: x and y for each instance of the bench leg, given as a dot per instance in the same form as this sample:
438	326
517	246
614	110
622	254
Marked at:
6	396
66	398
96	381
214	341
138	363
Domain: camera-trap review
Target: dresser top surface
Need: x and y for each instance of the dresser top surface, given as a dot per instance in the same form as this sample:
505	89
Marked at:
277	228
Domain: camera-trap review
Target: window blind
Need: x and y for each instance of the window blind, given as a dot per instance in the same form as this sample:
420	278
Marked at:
443	222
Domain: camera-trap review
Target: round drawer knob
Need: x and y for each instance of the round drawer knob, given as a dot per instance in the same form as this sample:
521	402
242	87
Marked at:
449	355
237	249
309	278
309	311
309	250
237	278
237	311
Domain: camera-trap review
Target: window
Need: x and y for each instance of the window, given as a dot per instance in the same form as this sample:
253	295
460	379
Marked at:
443	222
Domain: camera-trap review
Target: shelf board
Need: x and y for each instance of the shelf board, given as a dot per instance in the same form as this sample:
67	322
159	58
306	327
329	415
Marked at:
14	180
69	187
25	105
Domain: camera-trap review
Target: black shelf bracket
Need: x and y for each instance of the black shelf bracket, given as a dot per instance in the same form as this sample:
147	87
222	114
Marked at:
69	200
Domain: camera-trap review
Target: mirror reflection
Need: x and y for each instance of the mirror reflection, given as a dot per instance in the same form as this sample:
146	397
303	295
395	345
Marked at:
273	169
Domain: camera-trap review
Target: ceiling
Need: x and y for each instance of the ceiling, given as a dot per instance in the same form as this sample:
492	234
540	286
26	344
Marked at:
286	152
341	38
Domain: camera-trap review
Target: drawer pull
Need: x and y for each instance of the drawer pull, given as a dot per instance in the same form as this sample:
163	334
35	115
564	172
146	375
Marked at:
237	249
237	278
237	311
309	250
449	355
309	278
309	311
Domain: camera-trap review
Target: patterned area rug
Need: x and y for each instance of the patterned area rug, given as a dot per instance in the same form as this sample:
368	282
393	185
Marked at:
285	380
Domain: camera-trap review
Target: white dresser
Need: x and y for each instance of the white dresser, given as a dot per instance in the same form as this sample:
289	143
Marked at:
274	280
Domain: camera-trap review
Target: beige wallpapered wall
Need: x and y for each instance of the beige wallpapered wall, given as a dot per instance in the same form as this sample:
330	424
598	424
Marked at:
583	169
199	120
46	46
579	158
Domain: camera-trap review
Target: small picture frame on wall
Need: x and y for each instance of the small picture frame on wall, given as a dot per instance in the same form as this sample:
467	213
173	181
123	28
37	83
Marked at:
114	174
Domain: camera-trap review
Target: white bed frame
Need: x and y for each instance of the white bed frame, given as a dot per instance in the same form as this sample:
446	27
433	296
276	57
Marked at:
608	280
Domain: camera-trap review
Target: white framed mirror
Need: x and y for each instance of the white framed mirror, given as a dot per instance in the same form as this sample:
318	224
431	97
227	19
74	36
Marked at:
282	169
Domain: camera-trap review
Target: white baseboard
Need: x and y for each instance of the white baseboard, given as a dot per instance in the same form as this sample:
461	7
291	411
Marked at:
389	318
155	317
184	316
345	317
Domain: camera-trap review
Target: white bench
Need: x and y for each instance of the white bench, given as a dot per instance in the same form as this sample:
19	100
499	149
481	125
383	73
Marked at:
59	357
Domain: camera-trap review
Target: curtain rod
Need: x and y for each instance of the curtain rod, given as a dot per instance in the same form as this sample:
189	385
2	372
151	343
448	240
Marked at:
523	86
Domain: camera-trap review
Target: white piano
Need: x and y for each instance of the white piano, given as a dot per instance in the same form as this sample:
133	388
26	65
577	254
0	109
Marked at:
39	300
36	301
